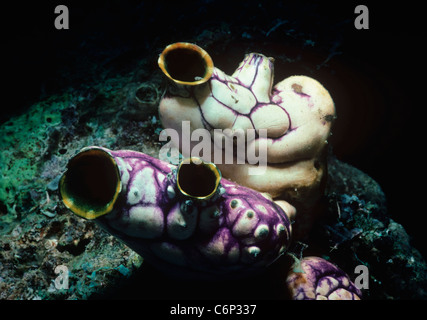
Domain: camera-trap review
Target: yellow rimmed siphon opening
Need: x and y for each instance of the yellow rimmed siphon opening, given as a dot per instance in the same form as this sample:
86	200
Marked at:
186	63
91	185
198	179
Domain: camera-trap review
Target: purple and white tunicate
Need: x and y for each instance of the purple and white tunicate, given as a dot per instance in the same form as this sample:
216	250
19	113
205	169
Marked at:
185	220
287	124
295	115
314	278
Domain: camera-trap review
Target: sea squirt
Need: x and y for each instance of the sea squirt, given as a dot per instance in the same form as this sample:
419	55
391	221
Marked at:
186	220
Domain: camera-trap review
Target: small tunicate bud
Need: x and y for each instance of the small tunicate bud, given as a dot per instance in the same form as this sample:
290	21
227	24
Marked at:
261	231
234	203
171	192
280	229
186	206
254	251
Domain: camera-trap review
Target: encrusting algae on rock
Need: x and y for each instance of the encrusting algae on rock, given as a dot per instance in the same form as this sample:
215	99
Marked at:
36	232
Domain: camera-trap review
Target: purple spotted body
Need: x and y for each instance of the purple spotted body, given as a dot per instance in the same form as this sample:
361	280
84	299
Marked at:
318	279
236	232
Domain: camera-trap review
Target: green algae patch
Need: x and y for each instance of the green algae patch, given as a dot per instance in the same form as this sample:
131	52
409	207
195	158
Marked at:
24	145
